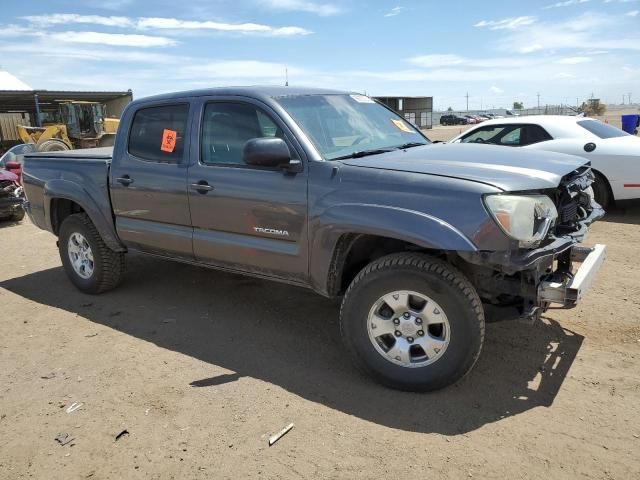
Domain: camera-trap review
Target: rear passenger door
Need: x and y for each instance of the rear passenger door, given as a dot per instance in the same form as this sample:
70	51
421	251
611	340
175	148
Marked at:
244	217
149	181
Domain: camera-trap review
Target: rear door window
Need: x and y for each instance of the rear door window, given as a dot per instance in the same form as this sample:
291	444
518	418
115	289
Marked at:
158	133
602	130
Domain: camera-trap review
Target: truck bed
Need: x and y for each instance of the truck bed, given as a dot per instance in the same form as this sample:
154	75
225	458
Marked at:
77	175
92	153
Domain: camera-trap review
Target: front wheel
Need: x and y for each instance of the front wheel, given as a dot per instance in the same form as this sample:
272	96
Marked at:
90	265
601	191
412	322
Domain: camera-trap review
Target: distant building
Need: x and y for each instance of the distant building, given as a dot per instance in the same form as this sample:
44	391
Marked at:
417	110
21	105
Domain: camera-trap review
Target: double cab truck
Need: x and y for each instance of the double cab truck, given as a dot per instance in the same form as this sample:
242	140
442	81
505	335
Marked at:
334	192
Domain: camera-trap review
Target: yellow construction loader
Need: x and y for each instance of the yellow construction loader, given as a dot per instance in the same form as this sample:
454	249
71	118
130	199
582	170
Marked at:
81	125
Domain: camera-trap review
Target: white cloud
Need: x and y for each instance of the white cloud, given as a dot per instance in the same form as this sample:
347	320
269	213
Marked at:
164	23
239	69
68	18
114	39
573	60
394	11
495	89
175	24
596	30
322	9
453	61
561	75
566	3
438	60
633	13
511	23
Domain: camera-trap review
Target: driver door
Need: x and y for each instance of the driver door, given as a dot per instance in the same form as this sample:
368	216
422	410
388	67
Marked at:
246	218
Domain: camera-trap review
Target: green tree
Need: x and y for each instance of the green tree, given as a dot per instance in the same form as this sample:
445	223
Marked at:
449	109
517	106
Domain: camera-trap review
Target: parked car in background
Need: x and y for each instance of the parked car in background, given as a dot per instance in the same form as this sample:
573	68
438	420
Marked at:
453	119
333	192
471	119
14	157
11	196
613	153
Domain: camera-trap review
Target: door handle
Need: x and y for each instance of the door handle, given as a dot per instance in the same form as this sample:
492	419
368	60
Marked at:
202	187
125	180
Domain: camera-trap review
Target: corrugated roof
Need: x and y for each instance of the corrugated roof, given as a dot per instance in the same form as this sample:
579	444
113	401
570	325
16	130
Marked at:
23	100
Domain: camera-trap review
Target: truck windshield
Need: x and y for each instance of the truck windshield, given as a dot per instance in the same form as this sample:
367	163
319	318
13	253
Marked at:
342	126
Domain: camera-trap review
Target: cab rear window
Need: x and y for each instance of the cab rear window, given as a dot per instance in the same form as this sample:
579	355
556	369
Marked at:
158	133
602	130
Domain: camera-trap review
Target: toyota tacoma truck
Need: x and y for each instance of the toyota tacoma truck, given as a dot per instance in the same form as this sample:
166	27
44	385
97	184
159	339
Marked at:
334	192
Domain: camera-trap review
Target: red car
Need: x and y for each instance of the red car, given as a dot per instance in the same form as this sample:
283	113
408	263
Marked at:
11	196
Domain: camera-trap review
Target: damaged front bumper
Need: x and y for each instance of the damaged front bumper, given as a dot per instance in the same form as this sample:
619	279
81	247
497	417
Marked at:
531	280
567	289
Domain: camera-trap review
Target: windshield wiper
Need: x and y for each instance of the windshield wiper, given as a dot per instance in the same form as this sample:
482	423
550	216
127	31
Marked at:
410	144
364	153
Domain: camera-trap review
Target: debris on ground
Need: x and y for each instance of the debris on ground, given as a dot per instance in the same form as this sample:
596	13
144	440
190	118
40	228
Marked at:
274	438
64	439
48	376
122	434
92	335
73	407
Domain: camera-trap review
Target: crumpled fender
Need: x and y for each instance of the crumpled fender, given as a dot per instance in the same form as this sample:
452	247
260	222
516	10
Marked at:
403	224
59	188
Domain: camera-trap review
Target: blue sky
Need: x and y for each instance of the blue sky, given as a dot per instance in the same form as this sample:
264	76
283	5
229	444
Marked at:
497	51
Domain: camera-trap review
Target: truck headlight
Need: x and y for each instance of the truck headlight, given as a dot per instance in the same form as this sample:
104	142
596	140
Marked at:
525	218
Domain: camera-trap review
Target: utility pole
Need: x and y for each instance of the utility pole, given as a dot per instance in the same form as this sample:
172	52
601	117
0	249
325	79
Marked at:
467	96
538	99
629	97
286	77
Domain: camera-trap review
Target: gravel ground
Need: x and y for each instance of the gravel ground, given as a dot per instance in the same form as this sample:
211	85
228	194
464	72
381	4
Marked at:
200	367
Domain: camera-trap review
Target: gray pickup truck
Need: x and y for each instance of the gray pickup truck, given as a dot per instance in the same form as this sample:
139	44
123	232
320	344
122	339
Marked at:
334	192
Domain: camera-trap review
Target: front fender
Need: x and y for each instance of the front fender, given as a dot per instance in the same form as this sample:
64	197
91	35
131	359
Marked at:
398	223
100	215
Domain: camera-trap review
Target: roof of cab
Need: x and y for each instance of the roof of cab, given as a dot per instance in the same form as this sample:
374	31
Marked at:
263	92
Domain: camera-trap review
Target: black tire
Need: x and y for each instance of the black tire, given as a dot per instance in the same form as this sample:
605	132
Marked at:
434	278
602	190
18	216
53	145
108	266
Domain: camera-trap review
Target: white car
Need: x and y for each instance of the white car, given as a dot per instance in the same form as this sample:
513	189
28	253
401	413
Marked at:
614	154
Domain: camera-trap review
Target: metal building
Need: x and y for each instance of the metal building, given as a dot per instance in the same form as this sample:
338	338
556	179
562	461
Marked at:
417	110
35	107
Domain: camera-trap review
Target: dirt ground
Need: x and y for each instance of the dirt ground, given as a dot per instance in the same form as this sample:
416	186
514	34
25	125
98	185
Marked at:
200	367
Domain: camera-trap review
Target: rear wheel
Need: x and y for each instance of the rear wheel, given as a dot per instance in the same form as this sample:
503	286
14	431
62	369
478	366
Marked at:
53	145
602	190
90	265
412	322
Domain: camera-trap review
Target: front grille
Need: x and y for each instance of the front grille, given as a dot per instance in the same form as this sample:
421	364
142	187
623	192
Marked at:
572	201
568	212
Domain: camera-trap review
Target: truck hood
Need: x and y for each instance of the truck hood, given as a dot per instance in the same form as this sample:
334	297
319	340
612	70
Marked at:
506	168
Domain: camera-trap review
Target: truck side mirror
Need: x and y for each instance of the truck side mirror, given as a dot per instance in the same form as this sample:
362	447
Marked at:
269	152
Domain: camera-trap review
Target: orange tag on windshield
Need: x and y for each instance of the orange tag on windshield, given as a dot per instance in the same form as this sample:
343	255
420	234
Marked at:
168	140
401	125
